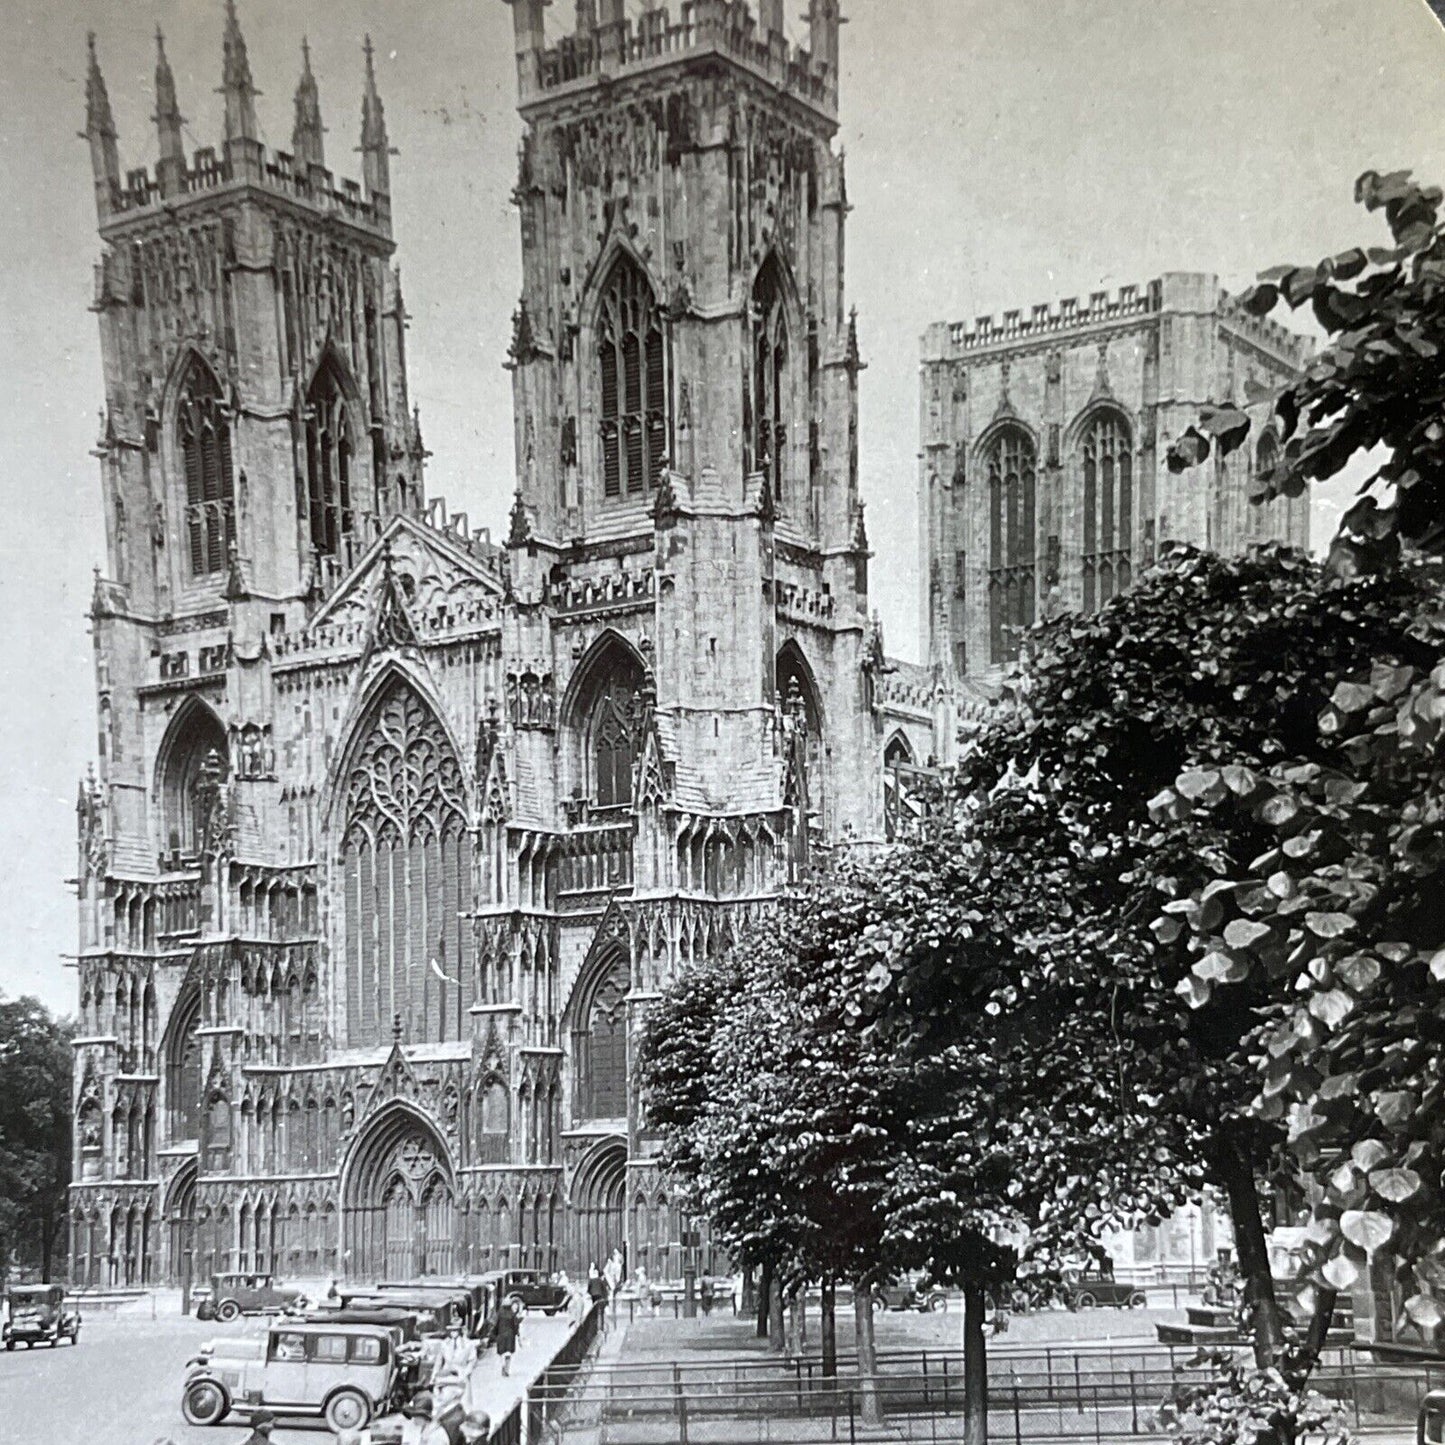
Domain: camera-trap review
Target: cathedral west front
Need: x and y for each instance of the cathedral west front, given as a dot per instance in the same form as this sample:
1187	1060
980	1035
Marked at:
394	828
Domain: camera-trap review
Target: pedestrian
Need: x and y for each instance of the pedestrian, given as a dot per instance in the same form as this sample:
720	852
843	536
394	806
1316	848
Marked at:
477	1428
509	1330
262	1423
738	1293
416	1420
705	1294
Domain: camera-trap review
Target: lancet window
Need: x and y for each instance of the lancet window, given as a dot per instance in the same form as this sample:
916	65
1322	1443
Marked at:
330	451
406	861
1108	509
1011	466
768	431
632	365
600	1040
203	437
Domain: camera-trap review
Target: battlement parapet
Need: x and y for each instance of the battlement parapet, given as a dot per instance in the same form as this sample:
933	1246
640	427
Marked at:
249	163
1043	320
1266	332
614	49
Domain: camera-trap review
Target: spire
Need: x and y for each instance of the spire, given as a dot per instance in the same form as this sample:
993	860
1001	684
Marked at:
236	84
100	132
306	134
168	121
375	149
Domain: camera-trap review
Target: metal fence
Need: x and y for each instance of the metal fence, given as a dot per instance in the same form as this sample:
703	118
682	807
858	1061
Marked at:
530	1418
693	1408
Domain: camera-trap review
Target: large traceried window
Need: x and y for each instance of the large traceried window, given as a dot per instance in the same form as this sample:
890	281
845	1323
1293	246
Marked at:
330	451
195	765
406	862
1108	509
1011	466
632	360
767	411
203	437
604	720
612	743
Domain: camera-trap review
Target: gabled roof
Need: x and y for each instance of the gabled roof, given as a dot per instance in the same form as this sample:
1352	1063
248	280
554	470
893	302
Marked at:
432	566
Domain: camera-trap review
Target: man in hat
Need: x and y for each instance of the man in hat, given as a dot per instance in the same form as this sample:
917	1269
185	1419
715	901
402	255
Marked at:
262	1423
477	1428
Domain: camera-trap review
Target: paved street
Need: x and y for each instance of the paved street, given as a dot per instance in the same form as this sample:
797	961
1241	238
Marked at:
122	1385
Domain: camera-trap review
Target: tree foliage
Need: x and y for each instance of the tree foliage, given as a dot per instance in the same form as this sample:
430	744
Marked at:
35	1065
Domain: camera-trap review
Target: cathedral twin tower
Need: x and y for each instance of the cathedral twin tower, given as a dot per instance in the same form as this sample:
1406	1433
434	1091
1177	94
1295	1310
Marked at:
394	832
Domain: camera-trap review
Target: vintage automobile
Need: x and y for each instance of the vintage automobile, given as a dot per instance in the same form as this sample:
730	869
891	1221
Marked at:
915	1294
344	1373
233	1295
39	1315
435	1310
1085	1291
535	1289
453	1302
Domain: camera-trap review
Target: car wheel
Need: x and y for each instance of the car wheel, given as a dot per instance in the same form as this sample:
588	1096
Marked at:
205	1403
227	1311
1084	1300
937	1302
877	1305
1138	1300
347	1410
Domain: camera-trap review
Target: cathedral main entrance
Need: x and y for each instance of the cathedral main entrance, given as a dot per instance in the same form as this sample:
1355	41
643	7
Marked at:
398	1200
598	1204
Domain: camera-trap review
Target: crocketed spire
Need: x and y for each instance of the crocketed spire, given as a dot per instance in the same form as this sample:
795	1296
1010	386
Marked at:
98	119
307	132
375	148
168	118
236	83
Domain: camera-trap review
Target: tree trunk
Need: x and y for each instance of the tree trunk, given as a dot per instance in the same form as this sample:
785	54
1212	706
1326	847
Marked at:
797	1334
975	1367
765	1293
1236	1172
867	1354
777	1330
829	1329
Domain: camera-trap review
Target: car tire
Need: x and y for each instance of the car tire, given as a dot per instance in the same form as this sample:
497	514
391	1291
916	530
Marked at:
1084	1300
936	1303
347	1410
227	1311
1138	1300
878	1305
205	1403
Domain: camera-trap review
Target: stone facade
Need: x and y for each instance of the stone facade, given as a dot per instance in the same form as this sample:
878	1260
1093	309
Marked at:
395	830
1044	484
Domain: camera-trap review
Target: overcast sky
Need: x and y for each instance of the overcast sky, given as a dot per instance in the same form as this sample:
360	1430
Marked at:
1001	153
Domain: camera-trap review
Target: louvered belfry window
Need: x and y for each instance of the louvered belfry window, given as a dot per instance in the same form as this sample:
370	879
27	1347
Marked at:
1012	466
769	434
204	438
633	374
329	453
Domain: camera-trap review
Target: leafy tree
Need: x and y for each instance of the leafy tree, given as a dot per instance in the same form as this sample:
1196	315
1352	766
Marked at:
35	1064
1341	901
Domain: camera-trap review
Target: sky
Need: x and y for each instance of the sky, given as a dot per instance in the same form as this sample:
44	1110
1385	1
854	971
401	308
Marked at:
1000	153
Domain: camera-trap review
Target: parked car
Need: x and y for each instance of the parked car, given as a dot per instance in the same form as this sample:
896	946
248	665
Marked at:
534	1289
909	1294
233	1295
345	1374
39	1315
450	1303
1085	1291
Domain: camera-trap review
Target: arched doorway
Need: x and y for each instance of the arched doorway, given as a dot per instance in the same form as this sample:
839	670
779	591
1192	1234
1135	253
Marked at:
599	1191
398	1198
181	1224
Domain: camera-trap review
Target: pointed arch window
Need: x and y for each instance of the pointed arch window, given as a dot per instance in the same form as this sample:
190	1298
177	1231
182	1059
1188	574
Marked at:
767	411
1266	458
330	451
406	866
613	738
203	437
194	770
1108	509
599	1042
632	367
1011	465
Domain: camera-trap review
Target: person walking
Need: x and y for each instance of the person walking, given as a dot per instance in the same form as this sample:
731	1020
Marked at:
509	1332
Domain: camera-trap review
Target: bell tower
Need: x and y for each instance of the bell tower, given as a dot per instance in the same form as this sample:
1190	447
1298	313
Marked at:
685	367
257	429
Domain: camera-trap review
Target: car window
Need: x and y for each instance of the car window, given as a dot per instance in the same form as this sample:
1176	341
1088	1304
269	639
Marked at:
288	1347
365	1350
328	1347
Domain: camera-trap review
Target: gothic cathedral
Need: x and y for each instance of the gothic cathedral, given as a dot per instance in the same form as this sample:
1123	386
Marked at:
394	832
